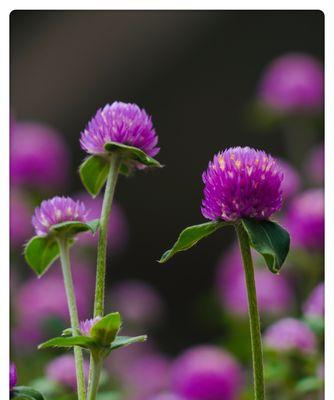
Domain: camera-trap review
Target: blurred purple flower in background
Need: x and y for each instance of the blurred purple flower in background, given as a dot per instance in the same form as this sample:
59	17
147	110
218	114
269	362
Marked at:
315	165
274	292
291	181
305	219
12	376
138	302
241	182
62	370
38	156
314	305
123	123
206	373
55	211
20	218
166	396
87	324
290	334
118	226
293	82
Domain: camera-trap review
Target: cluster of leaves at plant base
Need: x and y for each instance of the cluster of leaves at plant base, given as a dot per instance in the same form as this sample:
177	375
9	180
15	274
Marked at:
41	251
266	237
102	340
94	170
25	393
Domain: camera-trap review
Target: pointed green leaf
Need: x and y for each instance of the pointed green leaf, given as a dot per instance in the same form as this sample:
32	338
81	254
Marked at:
25	393
105	330
93	173
121	341
68	341
190	236
132	153
40	253
73	227
270	240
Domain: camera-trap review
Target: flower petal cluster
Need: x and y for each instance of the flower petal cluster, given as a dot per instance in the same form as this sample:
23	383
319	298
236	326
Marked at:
123	123
86	325
55	211
242	182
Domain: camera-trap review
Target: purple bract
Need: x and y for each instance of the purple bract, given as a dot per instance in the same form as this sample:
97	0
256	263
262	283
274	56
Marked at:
55	211
123	123
242	182
86	325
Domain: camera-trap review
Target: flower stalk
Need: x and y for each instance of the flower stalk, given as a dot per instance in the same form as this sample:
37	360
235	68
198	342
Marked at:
95	373
254	318
68	282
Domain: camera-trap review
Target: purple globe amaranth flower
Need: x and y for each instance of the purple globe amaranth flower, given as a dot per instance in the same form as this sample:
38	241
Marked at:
315	304
305	219
38	156
62	370
291	182
118	226
86	325
123	123
315	164
290	334
55	211
241	182
12	376
138	302
274	292
206	373
20	218
293	82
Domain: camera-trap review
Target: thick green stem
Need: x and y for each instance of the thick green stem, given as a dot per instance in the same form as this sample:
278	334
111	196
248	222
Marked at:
72	307
115	163
95	373
254	319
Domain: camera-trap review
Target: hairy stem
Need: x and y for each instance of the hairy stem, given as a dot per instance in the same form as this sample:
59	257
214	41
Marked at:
254	319
95	373
72	307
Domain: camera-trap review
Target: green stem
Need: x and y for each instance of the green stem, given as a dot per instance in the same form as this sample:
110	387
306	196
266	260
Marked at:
254	319
115	163
95	371
72	307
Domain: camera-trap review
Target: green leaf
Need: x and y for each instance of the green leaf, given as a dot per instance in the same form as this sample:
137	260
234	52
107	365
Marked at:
25	393
190	236
93	173
122	341
105	330
71	228
40	253
270	240
69	341
309	384
132	153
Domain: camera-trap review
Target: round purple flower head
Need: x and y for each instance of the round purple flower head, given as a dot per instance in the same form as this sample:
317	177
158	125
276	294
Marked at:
241	182
290	334
123	123
62	370
314	305
86	325
293	82
12	376
55	211
206	373
305	219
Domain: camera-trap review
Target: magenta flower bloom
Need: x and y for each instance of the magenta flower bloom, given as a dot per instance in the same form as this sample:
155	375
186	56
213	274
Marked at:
12	376
55	211
305	219
315	164
20	218
293	82
290	334
166	396
315	304
118	226
38	156
274	293
241	182
123	123
206	373
291	182
62	371
86	325
138	302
